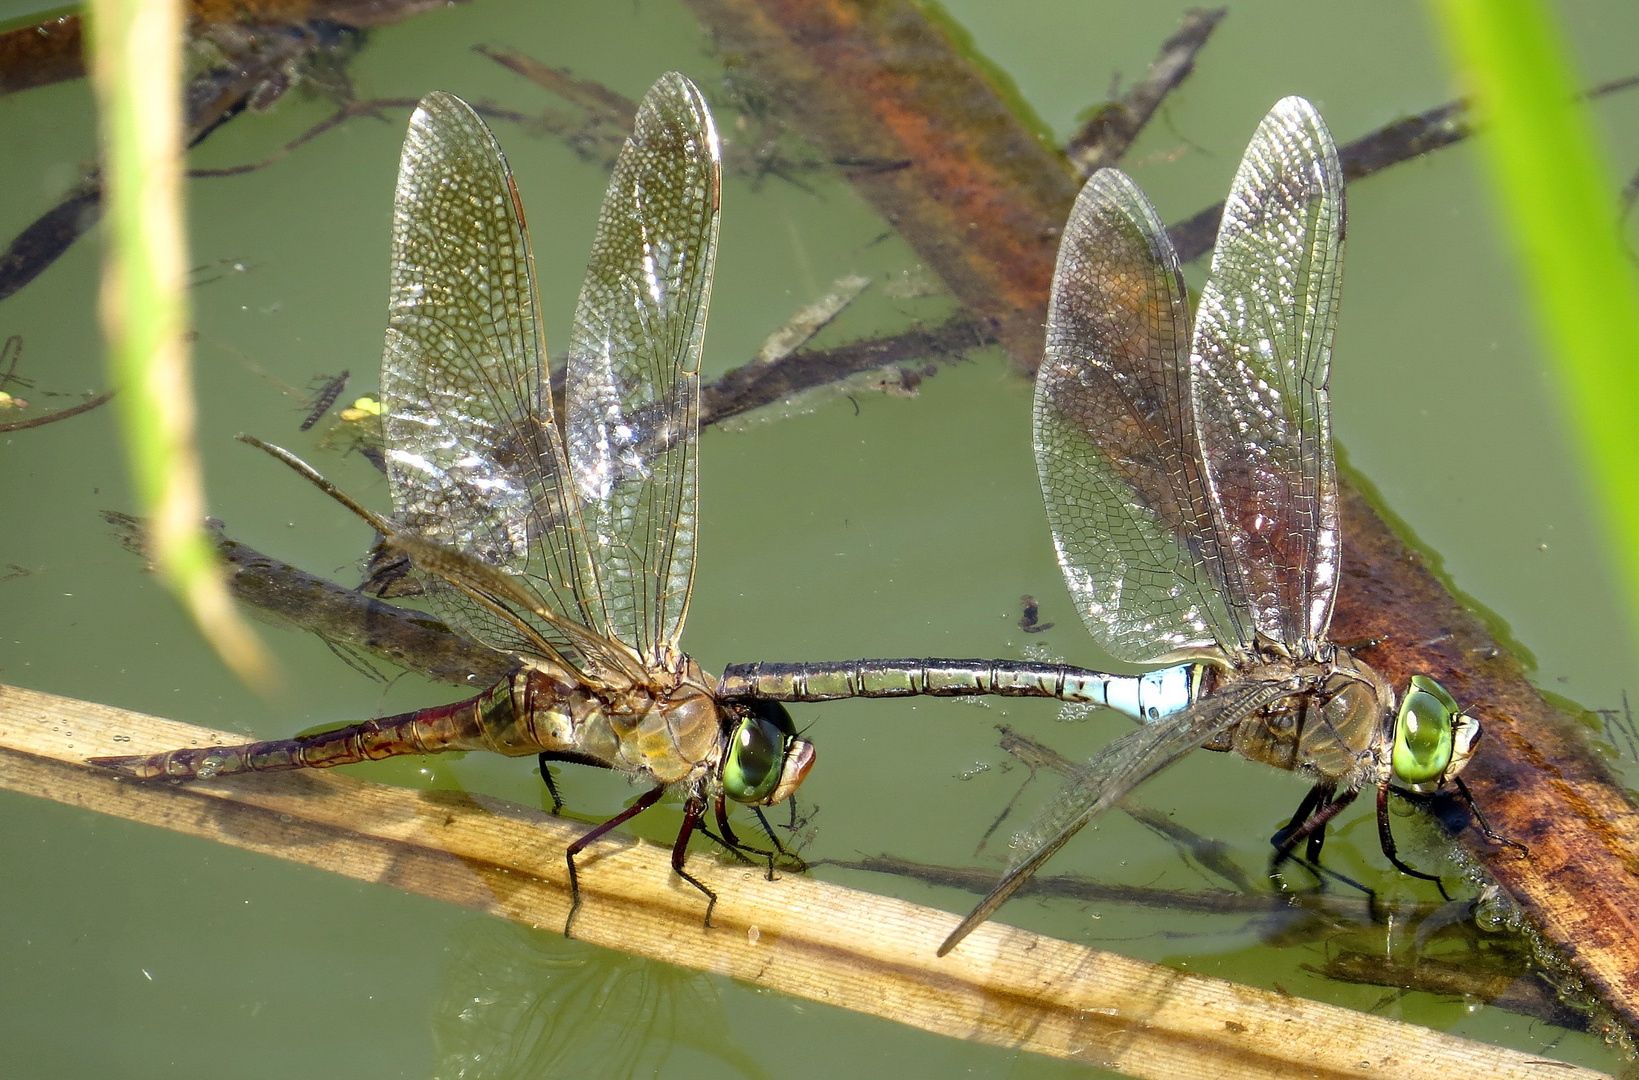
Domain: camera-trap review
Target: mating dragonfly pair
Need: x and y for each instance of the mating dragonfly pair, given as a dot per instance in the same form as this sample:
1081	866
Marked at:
1189	481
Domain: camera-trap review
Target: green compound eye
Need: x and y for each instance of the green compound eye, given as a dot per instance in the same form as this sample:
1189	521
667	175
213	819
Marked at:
756	754
1423	733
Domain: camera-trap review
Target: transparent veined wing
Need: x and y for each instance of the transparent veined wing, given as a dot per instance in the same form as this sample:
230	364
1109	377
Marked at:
634	368
1262	349
475	462
1115	437
1109	776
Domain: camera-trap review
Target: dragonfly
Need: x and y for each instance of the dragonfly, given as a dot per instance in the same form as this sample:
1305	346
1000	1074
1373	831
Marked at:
1191	490
570	548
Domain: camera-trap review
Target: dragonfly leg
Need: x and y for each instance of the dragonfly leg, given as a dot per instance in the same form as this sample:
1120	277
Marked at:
740	849
1385	840
1318	808
731	843
551	785
646	800
549	756
796	860
693	811
1485	826
1322	804
1287	837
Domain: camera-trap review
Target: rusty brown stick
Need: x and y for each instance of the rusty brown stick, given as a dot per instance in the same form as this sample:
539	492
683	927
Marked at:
978	196
1514	991
1402	140
403	636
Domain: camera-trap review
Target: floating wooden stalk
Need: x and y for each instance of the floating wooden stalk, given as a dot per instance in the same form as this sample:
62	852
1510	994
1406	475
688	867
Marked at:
808	938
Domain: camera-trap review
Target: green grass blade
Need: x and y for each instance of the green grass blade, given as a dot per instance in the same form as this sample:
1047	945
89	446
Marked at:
1558	206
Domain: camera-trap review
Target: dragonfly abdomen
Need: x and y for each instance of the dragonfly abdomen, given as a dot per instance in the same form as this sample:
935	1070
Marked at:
1148	697
489	721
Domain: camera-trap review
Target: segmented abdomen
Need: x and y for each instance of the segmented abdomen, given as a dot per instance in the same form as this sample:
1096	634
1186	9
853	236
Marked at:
487	722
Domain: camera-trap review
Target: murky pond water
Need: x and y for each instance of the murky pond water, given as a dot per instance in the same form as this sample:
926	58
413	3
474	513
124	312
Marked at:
866	525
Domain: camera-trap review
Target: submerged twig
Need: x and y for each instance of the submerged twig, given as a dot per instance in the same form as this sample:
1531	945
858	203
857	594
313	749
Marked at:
798	330
60	414
341	617
754	385
1103	140
1516	990
1391	144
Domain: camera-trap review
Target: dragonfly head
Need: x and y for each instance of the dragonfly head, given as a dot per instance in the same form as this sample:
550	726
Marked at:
1433	739
765	761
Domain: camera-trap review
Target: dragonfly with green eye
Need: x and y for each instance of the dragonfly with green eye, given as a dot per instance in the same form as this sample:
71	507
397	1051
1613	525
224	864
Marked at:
570	549
1191	490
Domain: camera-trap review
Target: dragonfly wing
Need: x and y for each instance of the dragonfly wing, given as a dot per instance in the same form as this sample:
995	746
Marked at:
1115	435
474	460
1110	776
634	367
1263	344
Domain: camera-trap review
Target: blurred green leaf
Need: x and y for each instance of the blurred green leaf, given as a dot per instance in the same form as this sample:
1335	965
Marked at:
1557	204
137	70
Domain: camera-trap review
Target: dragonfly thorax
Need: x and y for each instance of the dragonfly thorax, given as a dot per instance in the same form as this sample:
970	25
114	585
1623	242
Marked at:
667	731
1331	727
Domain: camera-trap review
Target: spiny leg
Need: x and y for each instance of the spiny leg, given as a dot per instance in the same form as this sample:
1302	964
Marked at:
797	860
551	785
646	800
1325	806
1318	808
740	849
1485	826
693	810
1285	838
568	757
1317	838
731	843
1385	840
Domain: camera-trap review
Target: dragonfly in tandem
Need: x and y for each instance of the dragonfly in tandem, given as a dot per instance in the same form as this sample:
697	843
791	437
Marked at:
570	548
1191	490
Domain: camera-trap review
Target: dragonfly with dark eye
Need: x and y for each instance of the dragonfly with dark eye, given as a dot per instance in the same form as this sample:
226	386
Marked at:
569	548
1191	491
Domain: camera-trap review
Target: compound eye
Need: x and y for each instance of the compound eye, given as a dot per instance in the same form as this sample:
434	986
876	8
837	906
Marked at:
756	754
776	714
1422	737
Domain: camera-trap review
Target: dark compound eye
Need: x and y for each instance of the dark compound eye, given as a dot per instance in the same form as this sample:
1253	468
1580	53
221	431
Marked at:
775	713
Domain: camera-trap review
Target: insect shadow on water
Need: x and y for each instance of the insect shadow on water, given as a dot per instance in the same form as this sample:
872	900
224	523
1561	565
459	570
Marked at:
1030	619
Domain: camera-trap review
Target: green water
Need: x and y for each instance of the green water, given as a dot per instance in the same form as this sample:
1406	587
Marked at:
867	526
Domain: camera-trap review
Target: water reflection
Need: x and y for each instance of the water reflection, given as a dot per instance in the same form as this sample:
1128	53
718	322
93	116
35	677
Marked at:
523	1003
